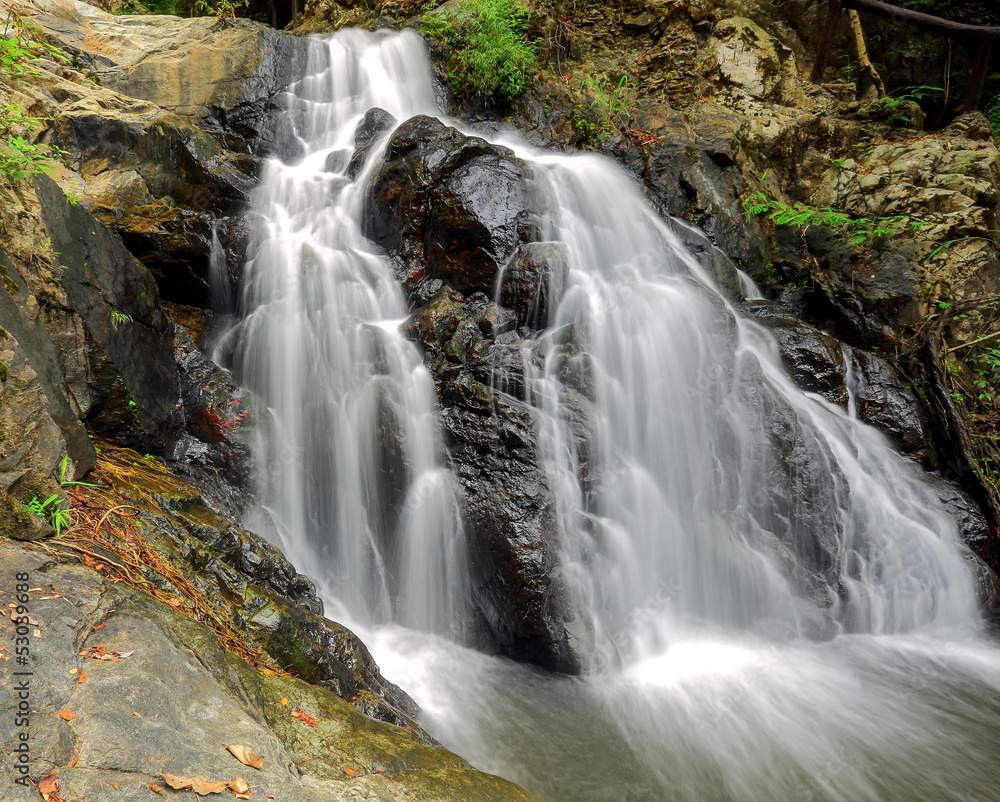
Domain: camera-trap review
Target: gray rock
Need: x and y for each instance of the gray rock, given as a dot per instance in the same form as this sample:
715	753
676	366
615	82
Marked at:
174	700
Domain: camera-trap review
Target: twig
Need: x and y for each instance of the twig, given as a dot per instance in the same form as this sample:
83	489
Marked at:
974	342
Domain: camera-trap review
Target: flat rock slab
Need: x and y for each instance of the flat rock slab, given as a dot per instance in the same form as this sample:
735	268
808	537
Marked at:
174	700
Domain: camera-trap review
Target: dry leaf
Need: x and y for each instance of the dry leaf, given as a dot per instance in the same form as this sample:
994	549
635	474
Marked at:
67	715
136	714
197	785
83	676
116	786
72	671
306	719
245	756
350	772
284	700
238	786
48	786
155	788
100	653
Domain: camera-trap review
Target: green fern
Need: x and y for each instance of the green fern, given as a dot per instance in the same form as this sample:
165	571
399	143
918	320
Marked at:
858	230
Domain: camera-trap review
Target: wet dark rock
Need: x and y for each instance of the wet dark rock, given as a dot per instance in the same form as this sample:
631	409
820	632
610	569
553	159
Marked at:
375	122
510	518
435	322
147	383
38	419
886	403
219	419
527	281
509	512
103	282
976	533
450	202
814	360
801	504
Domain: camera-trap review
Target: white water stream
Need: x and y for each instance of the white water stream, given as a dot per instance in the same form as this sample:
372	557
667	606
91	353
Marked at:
705	684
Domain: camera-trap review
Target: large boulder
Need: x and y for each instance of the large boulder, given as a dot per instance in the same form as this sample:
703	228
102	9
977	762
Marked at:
221	76
454	203
509	515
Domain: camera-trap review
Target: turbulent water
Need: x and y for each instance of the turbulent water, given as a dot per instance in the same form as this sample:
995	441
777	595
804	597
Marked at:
706	681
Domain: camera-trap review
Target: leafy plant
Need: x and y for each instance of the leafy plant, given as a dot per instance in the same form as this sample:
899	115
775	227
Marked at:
117	318
223	9
68	482
490	54
615	105
858	230
992	112
18	55
896	103
52	512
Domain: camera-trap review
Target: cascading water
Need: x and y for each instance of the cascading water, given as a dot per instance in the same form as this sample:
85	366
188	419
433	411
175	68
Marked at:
354	433
672	546
686	397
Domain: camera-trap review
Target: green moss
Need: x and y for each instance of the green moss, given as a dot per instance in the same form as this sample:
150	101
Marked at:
14	518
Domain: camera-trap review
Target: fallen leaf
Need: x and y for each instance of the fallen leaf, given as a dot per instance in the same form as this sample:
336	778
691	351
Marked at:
48	786
305	719
284	700
380	769
136	714
238	786
197	785
99	566
156	789
174	602
67	715
100	653
98	627
81	678
350	772
245	756
116	786
72	671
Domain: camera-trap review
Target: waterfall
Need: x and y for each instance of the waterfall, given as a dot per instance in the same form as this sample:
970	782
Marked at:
717	671
680	523
353	474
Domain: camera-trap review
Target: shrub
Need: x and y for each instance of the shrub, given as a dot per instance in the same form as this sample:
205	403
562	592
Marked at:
490	54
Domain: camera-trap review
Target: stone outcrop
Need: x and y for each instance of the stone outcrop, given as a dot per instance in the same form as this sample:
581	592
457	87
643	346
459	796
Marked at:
162	123
451	211
175	699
